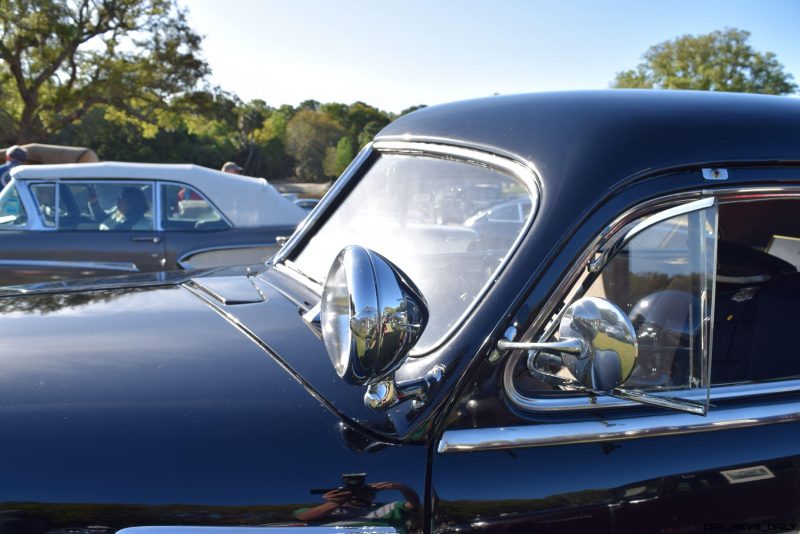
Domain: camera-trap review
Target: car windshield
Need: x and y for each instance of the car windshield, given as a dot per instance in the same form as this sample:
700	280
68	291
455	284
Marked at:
415	211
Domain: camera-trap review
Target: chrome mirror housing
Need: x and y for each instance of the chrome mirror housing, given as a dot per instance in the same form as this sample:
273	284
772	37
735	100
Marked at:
371	315
609	345
597	344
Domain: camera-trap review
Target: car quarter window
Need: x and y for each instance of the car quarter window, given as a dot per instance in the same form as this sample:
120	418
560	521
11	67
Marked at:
185	208
12	212
112	206
756	288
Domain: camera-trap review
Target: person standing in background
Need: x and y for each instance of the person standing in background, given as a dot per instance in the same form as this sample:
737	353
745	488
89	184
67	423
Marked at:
16	155
232	168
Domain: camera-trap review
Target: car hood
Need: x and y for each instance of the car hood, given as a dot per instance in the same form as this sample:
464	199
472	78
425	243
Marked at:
150	395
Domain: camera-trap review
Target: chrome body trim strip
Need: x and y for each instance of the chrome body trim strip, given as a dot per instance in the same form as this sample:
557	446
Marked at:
184	264
104	265
261	530
543	435
582	402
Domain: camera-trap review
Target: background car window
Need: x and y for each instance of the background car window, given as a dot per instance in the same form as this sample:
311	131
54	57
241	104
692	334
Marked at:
45	197
414	211
106	206
184	208
12	212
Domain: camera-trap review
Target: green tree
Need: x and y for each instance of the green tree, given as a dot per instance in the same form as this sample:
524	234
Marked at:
308	136
59	59
337	159
717	61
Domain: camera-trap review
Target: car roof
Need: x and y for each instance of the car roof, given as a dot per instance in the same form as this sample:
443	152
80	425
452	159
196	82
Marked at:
600	138
245	201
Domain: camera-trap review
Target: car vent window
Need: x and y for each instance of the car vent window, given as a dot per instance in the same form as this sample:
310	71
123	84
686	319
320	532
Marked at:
12	212
45	196
184	208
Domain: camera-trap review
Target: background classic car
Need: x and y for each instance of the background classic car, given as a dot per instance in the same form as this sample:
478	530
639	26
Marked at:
63	221
209	400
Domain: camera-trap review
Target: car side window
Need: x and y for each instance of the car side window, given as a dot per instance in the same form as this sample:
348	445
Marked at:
755	291
106	206
185	208
12	212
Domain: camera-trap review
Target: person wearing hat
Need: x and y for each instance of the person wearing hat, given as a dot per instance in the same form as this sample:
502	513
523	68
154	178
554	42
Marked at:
231	167
16	155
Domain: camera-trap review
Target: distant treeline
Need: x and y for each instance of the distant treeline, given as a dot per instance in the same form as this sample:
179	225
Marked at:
310	142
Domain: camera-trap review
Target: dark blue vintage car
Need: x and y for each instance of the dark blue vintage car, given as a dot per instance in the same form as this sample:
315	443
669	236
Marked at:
618	356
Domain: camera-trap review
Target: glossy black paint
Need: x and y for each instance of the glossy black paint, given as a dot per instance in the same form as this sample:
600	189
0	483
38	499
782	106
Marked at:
164	405
178	421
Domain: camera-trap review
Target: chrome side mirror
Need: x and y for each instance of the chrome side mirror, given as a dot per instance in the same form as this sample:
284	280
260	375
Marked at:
597	344
371	315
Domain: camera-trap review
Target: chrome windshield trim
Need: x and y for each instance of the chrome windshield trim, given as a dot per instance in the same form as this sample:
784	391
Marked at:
562	292
316	214
544	435
342	529
104	265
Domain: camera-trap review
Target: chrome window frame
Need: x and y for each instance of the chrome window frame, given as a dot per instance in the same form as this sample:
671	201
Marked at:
524	171
654	210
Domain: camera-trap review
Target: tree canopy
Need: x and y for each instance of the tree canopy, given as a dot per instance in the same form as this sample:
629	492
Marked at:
62	58
716	61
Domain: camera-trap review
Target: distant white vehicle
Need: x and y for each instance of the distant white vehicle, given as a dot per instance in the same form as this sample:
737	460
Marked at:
82	220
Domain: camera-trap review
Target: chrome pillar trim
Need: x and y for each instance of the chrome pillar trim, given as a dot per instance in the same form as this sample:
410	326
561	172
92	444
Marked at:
261	530
515	168
543	435
324	204
102	265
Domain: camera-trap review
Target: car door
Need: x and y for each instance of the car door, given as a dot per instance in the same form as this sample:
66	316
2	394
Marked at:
78	229
527	451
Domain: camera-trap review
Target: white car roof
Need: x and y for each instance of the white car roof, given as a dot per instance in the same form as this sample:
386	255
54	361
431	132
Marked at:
243	200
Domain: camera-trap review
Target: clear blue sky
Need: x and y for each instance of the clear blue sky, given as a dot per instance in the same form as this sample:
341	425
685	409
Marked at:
397	54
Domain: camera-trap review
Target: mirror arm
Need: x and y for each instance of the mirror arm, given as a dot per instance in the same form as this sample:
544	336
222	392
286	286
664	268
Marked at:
388	393
569	345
